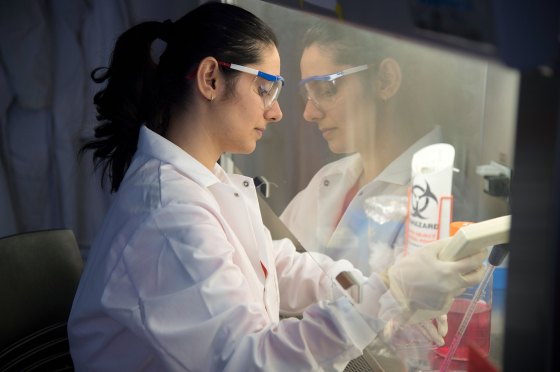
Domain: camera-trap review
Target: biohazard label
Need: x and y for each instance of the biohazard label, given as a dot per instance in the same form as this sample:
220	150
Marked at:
426	212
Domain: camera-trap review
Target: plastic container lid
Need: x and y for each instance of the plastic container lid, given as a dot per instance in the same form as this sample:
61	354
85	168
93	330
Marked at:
456	225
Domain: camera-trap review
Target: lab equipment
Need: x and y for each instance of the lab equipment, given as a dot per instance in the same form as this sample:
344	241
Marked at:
464	245
430	199
478	331
474	237
497	255
268	91
497	179
321	90
424	297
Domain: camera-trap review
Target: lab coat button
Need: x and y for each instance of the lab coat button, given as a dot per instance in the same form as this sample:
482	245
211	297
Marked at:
246	183
236	194
326	182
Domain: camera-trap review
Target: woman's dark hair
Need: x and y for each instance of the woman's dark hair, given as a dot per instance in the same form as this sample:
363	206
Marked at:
348	46
141	91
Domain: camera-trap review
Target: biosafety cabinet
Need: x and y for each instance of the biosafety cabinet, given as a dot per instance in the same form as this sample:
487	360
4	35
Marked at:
484	76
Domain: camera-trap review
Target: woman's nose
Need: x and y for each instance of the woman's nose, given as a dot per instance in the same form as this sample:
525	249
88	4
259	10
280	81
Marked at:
311	112
274	113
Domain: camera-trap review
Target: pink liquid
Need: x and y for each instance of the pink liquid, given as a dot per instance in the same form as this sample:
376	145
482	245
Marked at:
477	332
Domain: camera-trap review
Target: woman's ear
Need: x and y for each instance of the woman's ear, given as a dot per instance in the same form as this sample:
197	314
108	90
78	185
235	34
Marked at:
206	77
390	78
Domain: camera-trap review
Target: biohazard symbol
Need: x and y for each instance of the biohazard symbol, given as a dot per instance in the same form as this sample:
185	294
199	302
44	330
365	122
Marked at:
421	200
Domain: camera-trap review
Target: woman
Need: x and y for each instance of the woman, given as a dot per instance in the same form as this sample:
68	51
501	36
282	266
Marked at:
361	100
183	275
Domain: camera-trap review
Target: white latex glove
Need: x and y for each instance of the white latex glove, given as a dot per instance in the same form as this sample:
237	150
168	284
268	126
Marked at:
421	334
425	286
435	332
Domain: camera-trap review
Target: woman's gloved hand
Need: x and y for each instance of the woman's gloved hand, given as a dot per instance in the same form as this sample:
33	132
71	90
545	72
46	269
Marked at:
425	286
435	330
426	332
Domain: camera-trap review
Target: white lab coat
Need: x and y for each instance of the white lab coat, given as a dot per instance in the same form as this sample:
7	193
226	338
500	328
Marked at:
174	281
312	216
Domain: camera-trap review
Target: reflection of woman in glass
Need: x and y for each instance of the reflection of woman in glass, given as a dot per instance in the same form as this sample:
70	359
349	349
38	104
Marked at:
362	98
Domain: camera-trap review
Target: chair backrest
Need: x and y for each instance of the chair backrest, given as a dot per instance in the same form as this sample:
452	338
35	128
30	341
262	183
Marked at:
39	275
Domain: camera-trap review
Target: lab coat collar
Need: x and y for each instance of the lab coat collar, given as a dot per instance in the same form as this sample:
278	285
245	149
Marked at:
158	147
399	170
346	171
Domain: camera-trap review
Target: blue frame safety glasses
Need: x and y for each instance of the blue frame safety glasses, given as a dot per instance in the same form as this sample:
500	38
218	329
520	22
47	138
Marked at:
268	87
322	90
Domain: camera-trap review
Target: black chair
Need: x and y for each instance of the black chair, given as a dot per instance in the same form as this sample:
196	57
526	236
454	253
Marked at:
39	274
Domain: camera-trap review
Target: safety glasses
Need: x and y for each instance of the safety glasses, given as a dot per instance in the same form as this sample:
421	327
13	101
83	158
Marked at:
268	86
322	90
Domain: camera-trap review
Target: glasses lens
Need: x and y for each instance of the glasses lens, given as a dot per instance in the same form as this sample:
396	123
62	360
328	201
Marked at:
268	90
273	94
321	93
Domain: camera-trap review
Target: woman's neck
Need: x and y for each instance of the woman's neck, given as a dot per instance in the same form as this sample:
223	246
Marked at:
191	136
382	150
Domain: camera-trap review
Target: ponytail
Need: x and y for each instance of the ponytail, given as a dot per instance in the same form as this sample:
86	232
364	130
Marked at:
127	101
